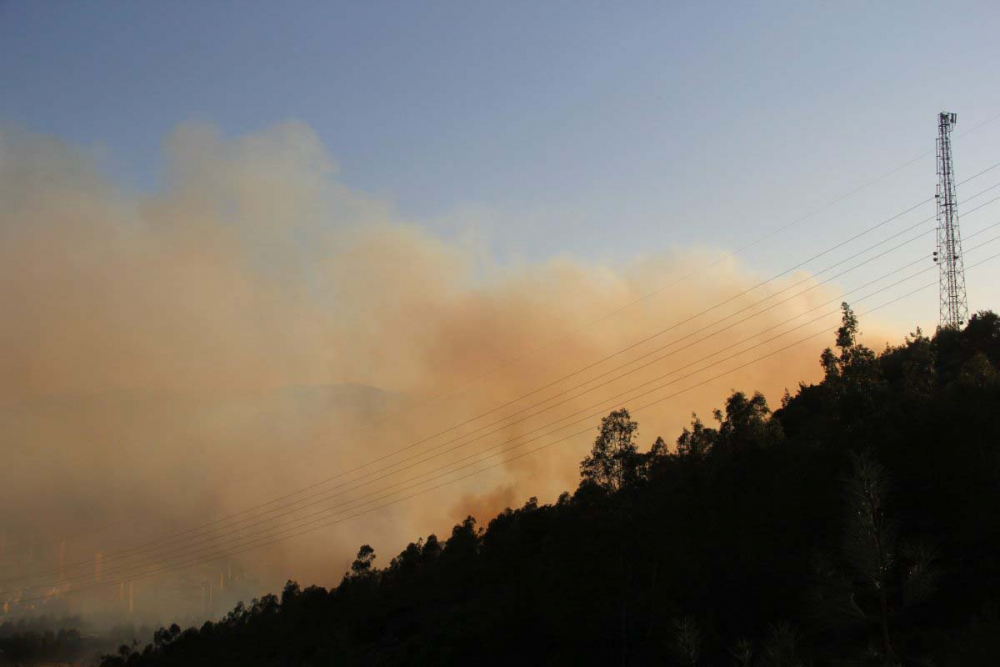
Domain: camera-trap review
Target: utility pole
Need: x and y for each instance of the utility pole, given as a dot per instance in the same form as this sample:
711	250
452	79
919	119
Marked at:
954	304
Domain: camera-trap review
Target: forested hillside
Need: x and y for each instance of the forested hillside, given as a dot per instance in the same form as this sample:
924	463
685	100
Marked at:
856	524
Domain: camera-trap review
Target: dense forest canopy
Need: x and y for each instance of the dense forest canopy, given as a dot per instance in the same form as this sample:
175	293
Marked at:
855	524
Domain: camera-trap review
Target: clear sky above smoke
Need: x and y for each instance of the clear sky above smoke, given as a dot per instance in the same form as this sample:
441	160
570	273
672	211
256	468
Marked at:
598	129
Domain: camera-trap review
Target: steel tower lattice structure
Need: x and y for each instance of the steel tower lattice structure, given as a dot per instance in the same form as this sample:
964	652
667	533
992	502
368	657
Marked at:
951	267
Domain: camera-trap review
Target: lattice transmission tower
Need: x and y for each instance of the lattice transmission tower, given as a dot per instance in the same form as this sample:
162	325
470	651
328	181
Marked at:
951	267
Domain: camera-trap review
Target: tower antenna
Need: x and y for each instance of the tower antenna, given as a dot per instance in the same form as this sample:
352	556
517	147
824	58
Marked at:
951	267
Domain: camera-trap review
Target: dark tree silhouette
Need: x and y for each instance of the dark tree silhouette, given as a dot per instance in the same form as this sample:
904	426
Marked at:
696	441
798	537
614	462
745	423
361	568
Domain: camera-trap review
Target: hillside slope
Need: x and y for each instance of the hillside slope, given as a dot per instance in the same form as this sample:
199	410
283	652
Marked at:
857	524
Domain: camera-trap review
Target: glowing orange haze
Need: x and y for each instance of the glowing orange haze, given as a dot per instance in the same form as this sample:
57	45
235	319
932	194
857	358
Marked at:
173	357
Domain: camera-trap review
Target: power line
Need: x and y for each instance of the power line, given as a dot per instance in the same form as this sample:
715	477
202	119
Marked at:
759	240
273	539
167	540
507	362
706	327
180	550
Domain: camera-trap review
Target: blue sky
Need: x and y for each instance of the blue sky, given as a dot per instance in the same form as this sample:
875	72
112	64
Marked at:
596	129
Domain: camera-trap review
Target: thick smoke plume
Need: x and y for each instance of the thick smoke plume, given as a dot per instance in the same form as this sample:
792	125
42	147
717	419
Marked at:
254	326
